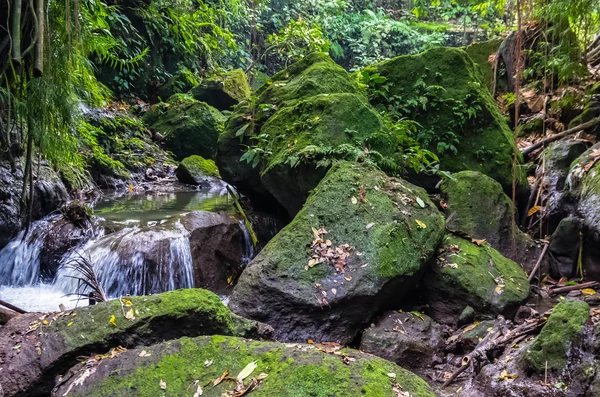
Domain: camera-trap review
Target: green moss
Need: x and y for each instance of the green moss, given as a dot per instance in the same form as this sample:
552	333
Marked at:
315	74
198	165
293	371
563	330
188	126
192	308
443	90
432	26
480	54
478	276
224	90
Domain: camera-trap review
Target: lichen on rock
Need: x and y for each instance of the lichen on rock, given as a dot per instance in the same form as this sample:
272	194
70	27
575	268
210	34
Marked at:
223	90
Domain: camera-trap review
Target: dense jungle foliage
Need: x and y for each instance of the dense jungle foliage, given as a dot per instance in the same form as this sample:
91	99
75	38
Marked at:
59	58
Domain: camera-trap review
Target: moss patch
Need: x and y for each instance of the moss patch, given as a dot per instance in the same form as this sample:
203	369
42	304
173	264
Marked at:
224	90
444	91
478	276
480	54
561	332
195	169
188	126
293	371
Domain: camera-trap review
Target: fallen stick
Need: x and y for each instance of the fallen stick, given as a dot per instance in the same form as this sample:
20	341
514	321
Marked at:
12	307
568	288
563	134
539	262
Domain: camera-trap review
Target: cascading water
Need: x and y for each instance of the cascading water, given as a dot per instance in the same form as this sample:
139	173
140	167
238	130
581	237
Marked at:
143	248
20	259
136	261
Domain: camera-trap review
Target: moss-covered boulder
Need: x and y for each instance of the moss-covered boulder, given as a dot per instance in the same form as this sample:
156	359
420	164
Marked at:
179	368
591	110
483	211
187	126
303	118
480	53
36	349
224	90
562	332
443	90
196	170
360	243
468	274
118	147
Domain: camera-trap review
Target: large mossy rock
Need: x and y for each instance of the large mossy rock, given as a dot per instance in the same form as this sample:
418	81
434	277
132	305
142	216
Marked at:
118	148
391	229
480	53
223	90
482	210
562	332
285	370
443	90
196	170
467	274
187	126
32	359
305	116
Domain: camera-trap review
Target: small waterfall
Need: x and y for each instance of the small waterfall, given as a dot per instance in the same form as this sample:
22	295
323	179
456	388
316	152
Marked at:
136	261
20	259
248	246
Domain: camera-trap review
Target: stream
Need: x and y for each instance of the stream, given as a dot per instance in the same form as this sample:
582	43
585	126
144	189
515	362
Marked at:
139	246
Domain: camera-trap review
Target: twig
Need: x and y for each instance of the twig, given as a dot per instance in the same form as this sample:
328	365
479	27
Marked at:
568	288
539	262
12	307
563	134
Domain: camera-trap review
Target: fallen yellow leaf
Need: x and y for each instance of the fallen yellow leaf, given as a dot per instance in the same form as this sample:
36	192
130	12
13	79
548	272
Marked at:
71	323
420	224
533	210
588	291
112	320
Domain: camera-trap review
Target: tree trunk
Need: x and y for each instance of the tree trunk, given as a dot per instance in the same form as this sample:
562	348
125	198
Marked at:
38	67
16	31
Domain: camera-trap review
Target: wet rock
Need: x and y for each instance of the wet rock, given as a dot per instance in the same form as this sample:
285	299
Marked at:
482	211
217	247
224	90
466	274
61	237
6	315
189	126
408	339
49	194
482	141
291	370
466	316
311	114
562	332
584	181
564	248
31	368
195	170
377	235
558	201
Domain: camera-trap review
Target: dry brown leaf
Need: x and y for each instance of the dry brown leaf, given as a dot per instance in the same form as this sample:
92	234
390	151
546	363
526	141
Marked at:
220	378
162	384
533	210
